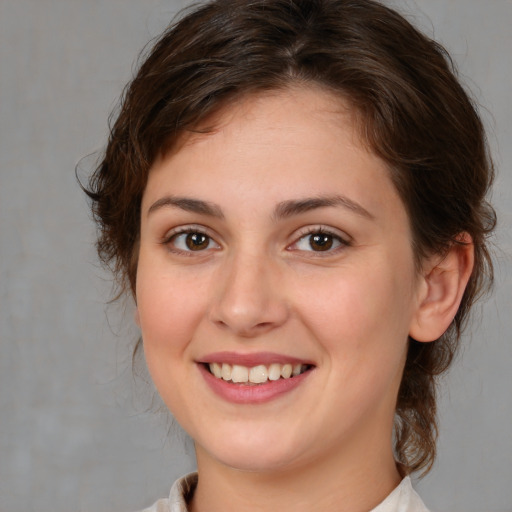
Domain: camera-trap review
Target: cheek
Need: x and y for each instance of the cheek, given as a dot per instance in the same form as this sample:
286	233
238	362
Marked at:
169	314
170	307
361	307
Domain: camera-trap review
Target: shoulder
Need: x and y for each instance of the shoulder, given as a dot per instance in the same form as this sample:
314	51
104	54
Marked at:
159	506
403	499
178	497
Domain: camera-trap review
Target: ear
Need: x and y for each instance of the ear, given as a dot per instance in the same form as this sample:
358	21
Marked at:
441	289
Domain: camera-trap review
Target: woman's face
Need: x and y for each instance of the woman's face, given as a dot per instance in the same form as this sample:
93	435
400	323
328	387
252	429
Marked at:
277	243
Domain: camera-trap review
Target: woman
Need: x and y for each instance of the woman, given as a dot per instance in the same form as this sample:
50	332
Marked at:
294	194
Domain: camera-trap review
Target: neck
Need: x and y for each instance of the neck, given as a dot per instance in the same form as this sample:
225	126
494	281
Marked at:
353	482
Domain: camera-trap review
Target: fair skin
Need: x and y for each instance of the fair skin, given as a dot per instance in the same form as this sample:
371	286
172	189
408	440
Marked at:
280	238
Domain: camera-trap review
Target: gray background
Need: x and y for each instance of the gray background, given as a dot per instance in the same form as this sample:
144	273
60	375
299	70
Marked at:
75	434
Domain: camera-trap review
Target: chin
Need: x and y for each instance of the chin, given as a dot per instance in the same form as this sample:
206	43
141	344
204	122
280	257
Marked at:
254	453
256	462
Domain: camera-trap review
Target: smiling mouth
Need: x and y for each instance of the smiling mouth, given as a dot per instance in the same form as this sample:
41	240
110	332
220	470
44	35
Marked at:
260	374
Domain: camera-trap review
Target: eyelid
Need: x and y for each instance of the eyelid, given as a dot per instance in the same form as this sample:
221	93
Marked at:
185	229
344	239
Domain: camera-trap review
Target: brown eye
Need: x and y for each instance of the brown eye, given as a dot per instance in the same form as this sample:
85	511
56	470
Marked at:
321	241
197	241
191	241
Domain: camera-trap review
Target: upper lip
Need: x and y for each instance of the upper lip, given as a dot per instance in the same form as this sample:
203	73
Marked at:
250	360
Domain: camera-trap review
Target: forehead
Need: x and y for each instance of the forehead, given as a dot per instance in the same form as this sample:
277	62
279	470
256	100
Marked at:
287	104
276	146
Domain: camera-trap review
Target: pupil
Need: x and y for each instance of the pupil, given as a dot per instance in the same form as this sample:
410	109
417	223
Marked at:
196	241
321	242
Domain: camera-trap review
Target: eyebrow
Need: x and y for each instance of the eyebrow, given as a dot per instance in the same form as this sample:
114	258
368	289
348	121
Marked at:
296	207
283	210
189	205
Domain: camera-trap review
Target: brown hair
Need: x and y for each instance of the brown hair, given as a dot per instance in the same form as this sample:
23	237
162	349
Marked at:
413	113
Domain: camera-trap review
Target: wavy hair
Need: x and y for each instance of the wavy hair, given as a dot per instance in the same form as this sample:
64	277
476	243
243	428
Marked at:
411	109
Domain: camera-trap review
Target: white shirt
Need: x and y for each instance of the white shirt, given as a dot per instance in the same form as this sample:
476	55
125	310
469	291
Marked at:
401	499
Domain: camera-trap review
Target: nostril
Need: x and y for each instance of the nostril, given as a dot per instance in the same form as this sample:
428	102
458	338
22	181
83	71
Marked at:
245	331
263	325
221	324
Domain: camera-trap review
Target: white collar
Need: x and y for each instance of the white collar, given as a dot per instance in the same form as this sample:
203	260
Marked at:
402	499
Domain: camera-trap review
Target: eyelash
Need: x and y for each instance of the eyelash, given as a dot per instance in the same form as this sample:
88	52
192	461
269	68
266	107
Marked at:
170	239
309	232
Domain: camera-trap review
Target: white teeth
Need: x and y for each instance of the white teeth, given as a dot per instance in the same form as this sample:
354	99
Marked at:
226	371
239	373
216	369
257	374
286	372
274	372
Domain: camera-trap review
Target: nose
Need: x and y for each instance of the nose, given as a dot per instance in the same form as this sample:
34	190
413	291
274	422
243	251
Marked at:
249	298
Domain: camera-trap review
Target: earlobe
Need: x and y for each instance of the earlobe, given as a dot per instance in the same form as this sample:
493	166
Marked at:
442	289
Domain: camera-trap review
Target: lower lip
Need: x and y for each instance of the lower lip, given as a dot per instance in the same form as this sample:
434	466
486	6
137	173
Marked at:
251	394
